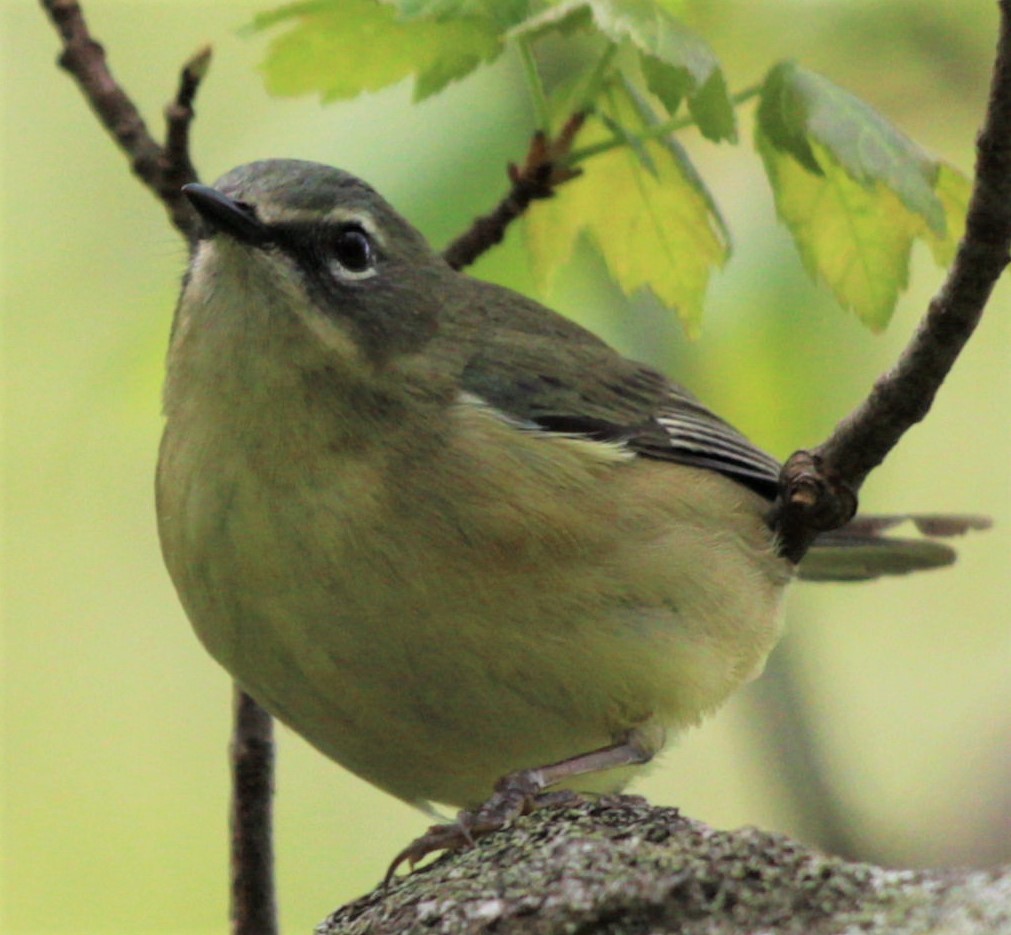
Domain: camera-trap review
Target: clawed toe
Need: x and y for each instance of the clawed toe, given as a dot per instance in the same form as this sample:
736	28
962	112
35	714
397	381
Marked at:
515	795
452	837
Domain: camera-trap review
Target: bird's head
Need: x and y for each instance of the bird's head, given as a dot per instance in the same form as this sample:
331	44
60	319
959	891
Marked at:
297	250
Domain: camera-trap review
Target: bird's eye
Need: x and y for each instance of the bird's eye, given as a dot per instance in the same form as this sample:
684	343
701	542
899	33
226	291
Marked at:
352	249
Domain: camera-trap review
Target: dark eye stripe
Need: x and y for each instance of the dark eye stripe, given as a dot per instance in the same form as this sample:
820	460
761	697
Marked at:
312	244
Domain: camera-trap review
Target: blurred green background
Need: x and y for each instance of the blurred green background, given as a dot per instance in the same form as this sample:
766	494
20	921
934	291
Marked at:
115	722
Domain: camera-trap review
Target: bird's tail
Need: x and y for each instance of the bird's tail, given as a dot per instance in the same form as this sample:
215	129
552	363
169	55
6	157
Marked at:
860	550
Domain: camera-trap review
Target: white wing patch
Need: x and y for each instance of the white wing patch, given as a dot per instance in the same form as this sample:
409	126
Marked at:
611	451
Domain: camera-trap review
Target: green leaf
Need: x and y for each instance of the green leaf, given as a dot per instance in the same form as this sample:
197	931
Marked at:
782	116
853	190
503	13
853	237
559	17
676	63
799	107
713	110
659	233
669	84
341	48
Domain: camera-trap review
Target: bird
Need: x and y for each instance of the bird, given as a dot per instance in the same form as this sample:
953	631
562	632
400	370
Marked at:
450	537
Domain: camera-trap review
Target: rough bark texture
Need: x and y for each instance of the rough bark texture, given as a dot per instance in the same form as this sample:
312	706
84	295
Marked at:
621	867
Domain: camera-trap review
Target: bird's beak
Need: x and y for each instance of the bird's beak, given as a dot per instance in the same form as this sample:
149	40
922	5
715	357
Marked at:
226	215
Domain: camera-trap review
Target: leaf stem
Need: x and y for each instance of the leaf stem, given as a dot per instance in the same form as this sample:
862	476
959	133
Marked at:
595	82
651	133
746	94
534	85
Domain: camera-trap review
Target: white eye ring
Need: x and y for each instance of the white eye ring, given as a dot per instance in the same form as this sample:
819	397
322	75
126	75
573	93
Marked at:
353	255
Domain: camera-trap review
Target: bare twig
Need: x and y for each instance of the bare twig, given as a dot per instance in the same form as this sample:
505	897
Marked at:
541	173
162	169
253	909
177	167
818	488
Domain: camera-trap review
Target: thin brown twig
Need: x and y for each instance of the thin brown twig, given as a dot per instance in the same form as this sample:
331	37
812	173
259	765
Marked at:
818	488
541	173
162	169
253	905
177	167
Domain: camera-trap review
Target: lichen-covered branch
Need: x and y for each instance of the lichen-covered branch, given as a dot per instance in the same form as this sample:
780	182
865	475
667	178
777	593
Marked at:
621	866
818	487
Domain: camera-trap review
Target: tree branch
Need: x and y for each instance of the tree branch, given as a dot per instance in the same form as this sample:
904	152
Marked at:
541	173
818	488
164	170
618	865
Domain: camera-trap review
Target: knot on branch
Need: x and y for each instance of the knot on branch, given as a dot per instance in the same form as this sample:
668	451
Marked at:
543	170
812	499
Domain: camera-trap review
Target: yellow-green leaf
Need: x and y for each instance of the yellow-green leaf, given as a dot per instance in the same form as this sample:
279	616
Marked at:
676	63
800	107
653	232
341	48
853	189
504	13
854	237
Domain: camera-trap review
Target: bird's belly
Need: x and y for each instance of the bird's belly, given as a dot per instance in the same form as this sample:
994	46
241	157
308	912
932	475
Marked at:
431	658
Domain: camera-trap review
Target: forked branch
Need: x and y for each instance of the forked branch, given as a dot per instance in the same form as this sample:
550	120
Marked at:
163	169
818	487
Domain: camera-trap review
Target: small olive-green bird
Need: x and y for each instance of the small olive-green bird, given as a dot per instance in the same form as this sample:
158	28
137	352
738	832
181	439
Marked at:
443	533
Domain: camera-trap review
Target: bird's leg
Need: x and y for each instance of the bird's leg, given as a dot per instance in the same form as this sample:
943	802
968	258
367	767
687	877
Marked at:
520	793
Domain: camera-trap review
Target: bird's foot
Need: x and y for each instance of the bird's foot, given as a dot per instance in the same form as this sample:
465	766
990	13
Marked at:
515	795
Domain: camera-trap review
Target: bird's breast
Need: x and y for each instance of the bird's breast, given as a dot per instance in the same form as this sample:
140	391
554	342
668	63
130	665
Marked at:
507	600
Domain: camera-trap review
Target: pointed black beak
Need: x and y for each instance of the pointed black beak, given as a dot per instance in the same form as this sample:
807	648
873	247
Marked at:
226	215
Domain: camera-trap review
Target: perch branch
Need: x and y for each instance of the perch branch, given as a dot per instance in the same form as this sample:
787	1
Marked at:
618	865
818	488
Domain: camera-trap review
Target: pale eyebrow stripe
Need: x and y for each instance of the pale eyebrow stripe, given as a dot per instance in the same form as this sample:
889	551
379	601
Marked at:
338	215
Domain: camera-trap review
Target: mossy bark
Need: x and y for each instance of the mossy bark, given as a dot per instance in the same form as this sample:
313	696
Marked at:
619	866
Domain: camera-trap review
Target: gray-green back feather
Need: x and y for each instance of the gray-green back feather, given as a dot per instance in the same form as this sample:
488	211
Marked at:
546	371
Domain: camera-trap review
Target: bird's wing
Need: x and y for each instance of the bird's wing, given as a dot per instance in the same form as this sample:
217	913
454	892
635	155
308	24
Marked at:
548	372
697	436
